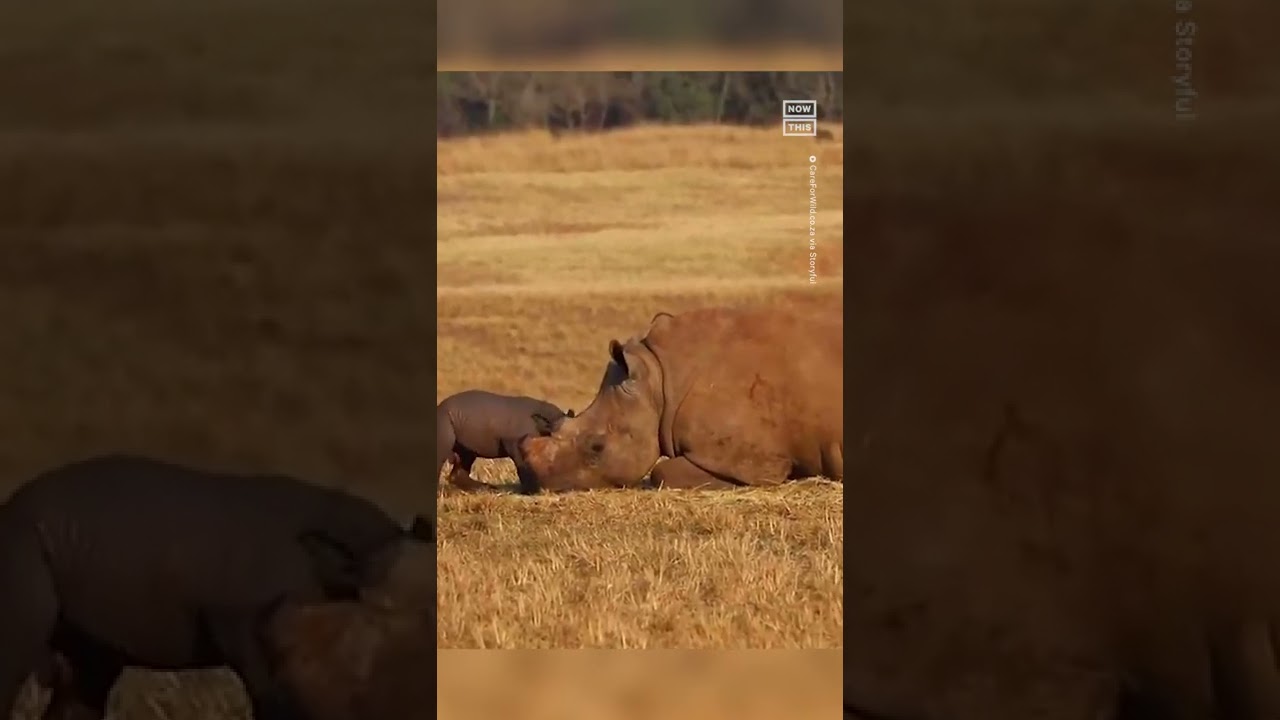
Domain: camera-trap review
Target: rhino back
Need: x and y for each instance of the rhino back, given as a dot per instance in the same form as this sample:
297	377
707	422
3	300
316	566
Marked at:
481	419
753	375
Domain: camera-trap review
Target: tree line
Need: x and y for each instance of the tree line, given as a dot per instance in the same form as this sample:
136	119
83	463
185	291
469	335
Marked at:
477	102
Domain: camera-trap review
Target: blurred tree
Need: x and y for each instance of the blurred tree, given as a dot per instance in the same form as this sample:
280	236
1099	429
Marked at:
593	101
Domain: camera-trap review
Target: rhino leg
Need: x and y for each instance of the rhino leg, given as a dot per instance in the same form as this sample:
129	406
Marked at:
64	705
460	475
84	694
28	612
463	461
17	660
736	465
681	474
528	481
445	442
833	461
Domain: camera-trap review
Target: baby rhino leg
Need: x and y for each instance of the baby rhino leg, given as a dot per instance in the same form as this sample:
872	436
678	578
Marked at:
82	690
460	475
527	481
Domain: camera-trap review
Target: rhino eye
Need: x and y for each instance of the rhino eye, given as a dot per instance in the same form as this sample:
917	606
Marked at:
597	446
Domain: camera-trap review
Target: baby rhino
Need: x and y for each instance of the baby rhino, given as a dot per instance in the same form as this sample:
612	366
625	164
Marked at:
478	424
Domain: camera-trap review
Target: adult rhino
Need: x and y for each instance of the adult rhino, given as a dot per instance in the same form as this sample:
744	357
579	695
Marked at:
732	396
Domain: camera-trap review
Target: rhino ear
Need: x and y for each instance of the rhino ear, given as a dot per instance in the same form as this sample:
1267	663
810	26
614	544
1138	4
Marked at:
625	356
542	424
617	354
332	563
665	317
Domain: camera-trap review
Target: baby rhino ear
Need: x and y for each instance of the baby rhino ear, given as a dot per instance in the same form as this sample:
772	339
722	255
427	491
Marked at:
542	424
333	564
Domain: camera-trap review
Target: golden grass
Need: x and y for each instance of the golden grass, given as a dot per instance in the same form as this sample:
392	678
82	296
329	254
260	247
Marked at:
627	569
684	150
628	685
547	250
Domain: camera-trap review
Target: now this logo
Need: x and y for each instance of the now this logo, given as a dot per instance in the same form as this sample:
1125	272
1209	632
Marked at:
800	117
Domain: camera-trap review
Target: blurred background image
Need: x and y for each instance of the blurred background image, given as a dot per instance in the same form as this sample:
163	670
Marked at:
628	34
1060	337
631	685
473	103
212	251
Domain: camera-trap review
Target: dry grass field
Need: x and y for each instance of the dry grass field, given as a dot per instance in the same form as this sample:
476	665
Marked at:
548	248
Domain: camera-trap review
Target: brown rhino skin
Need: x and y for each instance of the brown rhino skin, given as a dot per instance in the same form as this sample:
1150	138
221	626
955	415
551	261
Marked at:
352	660
732	396
361	659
